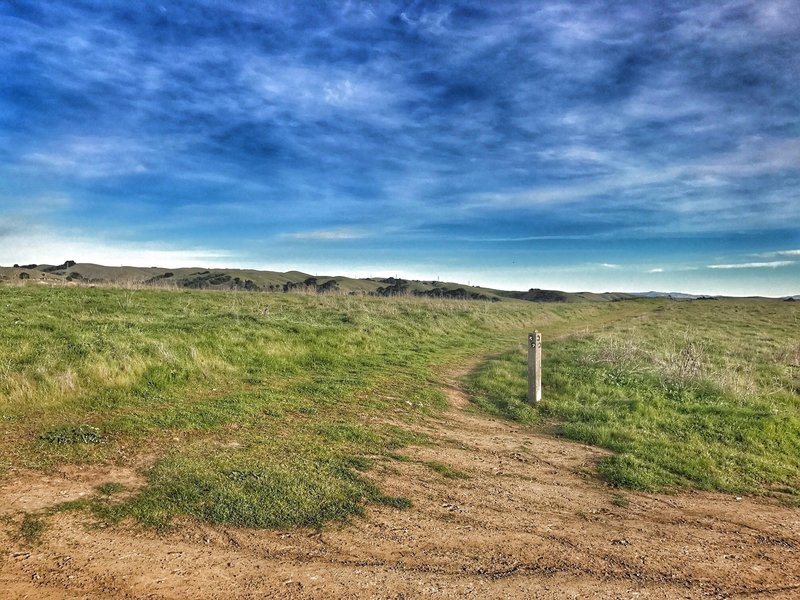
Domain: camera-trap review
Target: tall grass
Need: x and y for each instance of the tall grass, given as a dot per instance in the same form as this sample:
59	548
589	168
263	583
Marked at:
702	395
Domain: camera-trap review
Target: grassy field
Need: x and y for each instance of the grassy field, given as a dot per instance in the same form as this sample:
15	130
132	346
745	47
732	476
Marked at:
271	410
702	394
258	409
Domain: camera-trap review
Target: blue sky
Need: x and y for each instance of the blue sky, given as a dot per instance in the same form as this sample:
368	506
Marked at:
574	145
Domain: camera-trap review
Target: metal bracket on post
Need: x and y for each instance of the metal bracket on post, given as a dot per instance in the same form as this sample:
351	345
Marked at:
534	367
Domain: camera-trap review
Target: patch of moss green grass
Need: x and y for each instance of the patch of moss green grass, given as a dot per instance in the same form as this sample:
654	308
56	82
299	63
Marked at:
263	410
697	394
110	487
73	434
620	501
32	528
100	505
445	470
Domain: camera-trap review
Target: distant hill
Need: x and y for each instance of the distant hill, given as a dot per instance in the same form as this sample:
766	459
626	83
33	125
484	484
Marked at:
675	295
537	295
73	273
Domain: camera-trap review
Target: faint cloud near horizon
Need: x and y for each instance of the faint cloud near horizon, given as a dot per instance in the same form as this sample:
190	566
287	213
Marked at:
755	265
778	253
339	233
42	245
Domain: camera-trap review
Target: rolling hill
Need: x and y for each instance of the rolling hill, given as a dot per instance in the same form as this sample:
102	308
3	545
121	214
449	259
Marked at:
73	273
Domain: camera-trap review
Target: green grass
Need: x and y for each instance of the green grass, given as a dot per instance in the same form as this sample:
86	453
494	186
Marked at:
445	470
693	395
32	528
239	490
271	410
619	500
263	410
110	487
73	434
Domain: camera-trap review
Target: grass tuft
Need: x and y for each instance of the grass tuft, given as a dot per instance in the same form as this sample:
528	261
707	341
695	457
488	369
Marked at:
619	500
110	487
73	434
397	502
445	470
32	528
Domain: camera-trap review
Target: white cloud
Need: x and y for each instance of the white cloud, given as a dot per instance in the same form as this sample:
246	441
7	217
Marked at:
754	157
89	156
528	238
340	233
313	92
658	270
755	265
610	266
47	246
779	253
577	154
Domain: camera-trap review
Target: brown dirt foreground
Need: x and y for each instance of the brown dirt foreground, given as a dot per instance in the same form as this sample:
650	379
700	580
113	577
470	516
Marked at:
529	522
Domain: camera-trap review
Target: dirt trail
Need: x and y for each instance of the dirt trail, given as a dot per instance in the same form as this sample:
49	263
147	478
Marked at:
529	522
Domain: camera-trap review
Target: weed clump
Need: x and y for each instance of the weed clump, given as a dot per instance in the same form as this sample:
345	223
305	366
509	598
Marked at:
620	501
32	528
73	434
446	470
110	487
393	501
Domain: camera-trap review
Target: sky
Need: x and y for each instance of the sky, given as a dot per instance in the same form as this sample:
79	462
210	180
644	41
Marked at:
603	146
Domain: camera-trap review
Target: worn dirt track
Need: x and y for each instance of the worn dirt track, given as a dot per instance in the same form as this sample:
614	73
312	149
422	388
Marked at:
530	522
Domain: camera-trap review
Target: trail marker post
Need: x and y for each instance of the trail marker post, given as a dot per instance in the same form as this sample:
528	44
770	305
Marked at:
534	367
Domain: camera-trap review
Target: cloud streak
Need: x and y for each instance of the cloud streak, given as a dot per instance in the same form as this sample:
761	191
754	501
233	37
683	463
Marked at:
755	265
780	253
341	233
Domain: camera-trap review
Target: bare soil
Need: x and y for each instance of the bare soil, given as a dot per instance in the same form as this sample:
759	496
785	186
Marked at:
530	521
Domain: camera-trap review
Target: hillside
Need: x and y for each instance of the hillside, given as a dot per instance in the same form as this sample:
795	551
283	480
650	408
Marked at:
74	273
537	295
71	272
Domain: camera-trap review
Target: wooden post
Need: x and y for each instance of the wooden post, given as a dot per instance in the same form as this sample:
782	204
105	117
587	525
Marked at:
534	367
